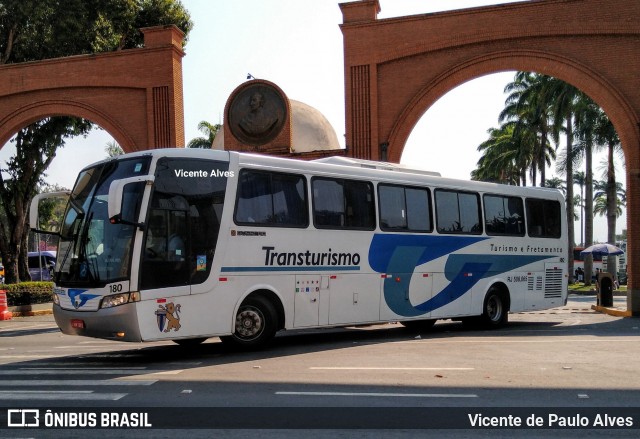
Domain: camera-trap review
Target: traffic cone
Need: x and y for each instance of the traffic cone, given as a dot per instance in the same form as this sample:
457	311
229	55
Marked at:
5	314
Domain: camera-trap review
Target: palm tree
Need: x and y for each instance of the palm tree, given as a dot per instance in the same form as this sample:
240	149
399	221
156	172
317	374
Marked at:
564	96
602	205
209	130
601	190
556	183
501	161
528	105
606	135
587	113
113	149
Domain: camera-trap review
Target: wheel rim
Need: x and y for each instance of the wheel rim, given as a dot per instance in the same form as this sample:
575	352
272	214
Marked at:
249	323
494	308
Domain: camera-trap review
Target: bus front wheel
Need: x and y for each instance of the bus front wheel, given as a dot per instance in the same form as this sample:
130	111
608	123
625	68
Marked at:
255	324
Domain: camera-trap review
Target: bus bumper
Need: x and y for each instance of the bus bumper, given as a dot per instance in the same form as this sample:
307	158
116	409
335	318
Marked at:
117	323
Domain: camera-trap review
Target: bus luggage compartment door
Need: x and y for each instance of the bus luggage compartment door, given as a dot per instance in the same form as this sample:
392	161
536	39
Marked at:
307	300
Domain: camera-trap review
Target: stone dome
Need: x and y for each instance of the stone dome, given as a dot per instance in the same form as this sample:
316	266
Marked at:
310	130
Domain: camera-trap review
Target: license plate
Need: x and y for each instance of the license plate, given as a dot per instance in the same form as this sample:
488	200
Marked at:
77	323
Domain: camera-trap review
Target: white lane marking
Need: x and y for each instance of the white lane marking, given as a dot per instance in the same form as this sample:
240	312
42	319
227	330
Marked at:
78	395
393	368
91	367
54	364
26	356
382	394
167	372
22	328
130	371
110	382
590	340
100	342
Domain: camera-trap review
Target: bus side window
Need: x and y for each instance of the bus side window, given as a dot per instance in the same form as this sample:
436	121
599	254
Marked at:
404	208
343	204
543	218
503	215
271	199
458	212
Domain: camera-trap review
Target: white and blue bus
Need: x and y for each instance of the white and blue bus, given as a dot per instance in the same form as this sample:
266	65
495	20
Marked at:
183	245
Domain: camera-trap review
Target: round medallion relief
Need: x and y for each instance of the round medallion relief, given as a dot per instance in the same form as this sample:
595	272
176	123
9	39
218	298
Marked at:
257	114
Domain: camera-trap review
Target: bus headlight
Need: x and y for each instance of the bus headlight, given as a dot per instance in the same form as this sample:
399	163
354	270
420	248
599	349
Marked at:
120	299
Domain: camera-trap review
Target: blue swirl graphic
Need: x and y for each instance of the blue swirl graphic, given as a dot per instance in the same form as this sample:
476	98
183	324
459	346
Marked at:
399	255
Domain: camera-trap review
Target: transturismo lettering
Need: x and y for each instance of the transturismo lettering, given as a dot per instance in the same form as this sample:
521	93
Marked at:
331	258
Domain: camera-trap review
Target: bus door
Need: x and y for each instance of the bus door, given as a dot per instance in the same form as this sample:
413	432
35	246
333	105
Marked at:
183	223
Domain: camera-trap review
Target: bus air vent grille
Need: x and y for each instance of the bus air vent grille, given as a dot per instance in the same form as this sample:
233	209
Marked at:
553	283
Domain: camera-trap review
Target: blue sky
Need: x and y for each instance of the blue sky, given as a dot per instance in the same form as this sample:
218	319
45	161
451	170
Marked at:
297	44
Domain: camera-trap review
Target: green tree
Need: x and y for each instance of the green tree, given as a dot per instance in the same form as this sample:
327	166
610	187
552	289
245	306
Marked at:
32	30
35	149
209	130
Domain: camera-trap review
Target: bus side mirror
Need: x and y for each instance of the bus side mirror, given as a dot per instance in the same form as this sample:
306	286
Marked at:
116	203
42	212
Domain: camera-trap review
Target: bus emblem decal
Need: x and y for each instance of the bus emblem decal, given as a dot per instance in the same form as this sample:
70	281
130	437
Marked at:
80	297
168	317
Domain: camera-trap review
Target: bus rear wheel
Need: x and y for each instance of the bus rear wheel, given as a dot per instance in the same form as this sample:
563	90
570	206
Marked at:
495	312
255	324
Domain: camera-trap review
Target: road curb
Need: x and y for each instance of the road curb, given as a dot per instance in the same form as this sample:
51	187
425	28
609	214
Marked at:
612	311
39	309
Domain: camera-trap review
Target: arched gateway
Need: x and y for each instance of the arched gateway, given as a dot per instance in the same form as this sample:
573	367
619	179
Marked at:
136	95
396	68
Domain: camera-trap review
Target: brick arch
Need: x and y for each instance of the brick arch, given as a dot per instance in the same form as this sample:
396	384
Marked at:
135	95
39	110
396	68
605	94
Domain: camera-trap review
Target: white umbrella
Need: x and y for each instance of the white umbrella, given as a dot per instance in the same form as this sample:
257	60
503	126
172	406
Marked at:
603	250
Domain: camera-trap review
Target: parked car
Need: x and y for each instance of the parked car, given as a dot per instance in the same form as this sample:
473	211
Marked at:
41	265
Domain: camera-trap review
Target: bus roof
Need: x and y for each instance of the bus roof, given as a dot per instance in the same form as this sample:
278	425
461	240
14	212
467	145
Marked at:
343	166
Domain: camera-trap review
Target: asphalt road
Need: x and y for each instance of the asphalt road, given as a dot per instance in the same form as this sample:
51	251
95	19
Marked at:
561	367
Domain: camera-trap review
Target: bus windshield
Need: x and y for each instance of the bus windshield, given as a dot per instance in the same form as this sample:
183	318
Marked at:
93	252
